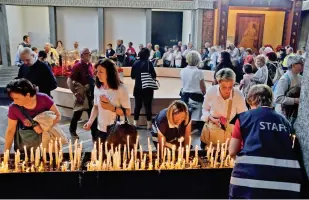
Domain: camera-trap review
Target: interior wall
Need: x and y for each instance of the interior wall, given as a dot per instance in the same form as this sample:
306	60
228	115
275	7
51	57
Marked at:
273	26
216	27
128	25
186	26
15	26
78	24
304	31
36	25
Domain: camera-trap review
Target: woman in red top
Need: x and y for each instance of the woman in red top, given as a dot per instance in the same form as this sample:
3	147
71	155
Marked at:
131	54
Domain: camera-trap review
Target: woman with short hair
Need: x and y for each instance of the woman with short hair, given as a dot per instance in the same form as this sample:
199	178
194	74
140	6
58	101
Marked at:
142	96
222	103
193	85
266	165
25	97
157	55
262	75
110	98
172	125
224	63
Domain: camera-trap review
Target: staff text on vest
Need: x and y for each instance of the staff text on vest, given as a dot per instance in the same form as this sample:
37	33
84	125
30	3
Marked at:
272	126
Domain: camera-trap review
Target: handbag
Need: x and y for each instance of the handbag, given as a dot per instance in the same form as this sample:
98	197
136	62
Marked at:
118	133
148	81
26	136
212	133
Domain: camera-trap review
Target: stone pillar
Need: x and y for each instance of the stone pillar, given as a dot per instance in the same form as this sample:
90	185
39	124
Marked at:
4	37
148	25
292	23
52	25
301	124
196	28
208	27
223	13
101	30
285	28
193	24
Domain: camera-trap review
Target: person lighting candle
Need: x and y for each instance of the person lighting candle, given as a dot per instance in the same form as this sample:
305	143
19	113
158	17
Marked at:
266	165
172	123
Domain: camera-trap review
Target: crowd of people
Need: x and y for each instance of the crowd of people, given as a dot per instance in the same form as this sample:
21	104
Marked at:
257	118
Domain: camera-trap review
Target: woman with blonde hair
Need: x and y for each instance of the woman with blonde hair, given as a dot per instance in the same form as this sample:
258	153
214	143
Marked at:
157	55
222	103
172	125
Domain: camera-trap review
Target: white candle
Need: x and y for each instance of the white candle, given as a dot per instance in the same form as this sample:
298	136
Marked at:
196	151
135	152
137	140
128	145
112	149
190	141
70	151
222	152
211	162
50	151
44	155
26	154
158	150
168	155
208	152
164	155
37	156
141	152
150	153
173	153
56	151
60	144
294	136
125	153
180	142
162	147
106	150
218	144
187	154
32	155
212	152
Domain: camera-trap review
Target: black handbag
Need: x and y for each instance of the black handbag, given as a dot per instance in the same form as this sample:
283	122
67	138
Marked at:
26	136
117	133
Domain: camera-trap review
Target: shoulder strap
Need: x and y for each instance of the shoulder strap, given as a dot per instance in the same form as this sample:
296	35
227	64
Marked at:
24	112
229	109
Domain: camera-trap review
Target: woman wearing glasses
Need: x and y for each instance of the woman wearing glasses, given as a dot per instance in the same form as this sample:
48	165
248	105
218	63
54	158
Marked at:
172	125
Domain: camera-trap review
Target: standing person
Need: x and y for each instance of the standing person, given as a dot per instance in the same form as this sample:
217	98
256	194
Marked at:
81	83
245	82
234	51
52	55
180	44
156	56
36	72
76	50
42	56
289	52
222	103
225	63
266	166
193	85
205	59
213	58
274	69
120	53
289	80
168	58
142	95
110	51
110	97
25	43
131	54
183	54
261	76
60	50
35	50
24	94
177	56
152	52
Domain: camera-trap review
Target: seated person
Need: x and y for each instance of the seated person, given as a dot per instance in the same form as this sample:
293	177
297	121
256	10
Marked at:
42	56
172	124
131	54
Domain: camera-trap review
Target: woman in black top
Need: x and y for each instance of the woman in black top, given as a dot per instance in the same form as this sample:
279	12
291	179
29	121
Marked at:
142	95
224	63
110	52
172	125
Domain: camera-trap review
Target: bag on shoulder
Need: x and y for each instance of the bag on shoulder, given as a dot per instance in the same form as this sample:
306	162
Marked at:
148	81
26	136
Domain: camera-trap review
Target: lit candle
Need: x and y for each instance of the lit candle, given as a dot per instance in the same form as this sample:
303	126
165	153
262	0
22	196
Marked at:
135	152
168	155
106	150
179	154
190	141
211	162
37	157
212	152
158	150
137	140
26	154
187	154
112	149
222	152
218	144
70	151
196	151
162	147
150	167
60	144
125	153
128	145
124	165
180	142
173	153
56	151
44	155
141	151
208	152
150	153
164	155
294	136
50	151
32	155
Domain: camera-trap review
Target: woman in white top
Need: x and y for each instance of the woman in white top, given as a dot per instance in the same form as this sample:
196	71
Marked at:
177	56
261	76
221	104
168	58
110	96
193	85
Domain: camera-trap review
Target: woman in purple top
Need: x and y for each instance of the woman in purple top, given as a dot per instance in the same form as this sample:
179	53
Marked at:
24	94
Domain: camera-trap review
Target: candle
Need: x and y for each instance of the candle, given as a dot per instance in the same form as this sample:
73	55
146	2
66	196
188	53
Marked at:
179	154
222	152
180	142
294	136
137	140
128	145
26	154
70	151
150	153
135	152
56	151
37	156
173	153
50	151
44	155
218	144
187	154
125	153
208	152
212	152
164	155
141	151
211	161
196	151
162	147
158	150
106	150
150	167
190	141
168	155
60	144
112	149
226	161
32	155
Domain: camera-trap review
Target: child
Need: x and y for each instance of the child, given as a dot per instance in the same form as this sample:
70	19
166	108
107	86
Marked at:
245	82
